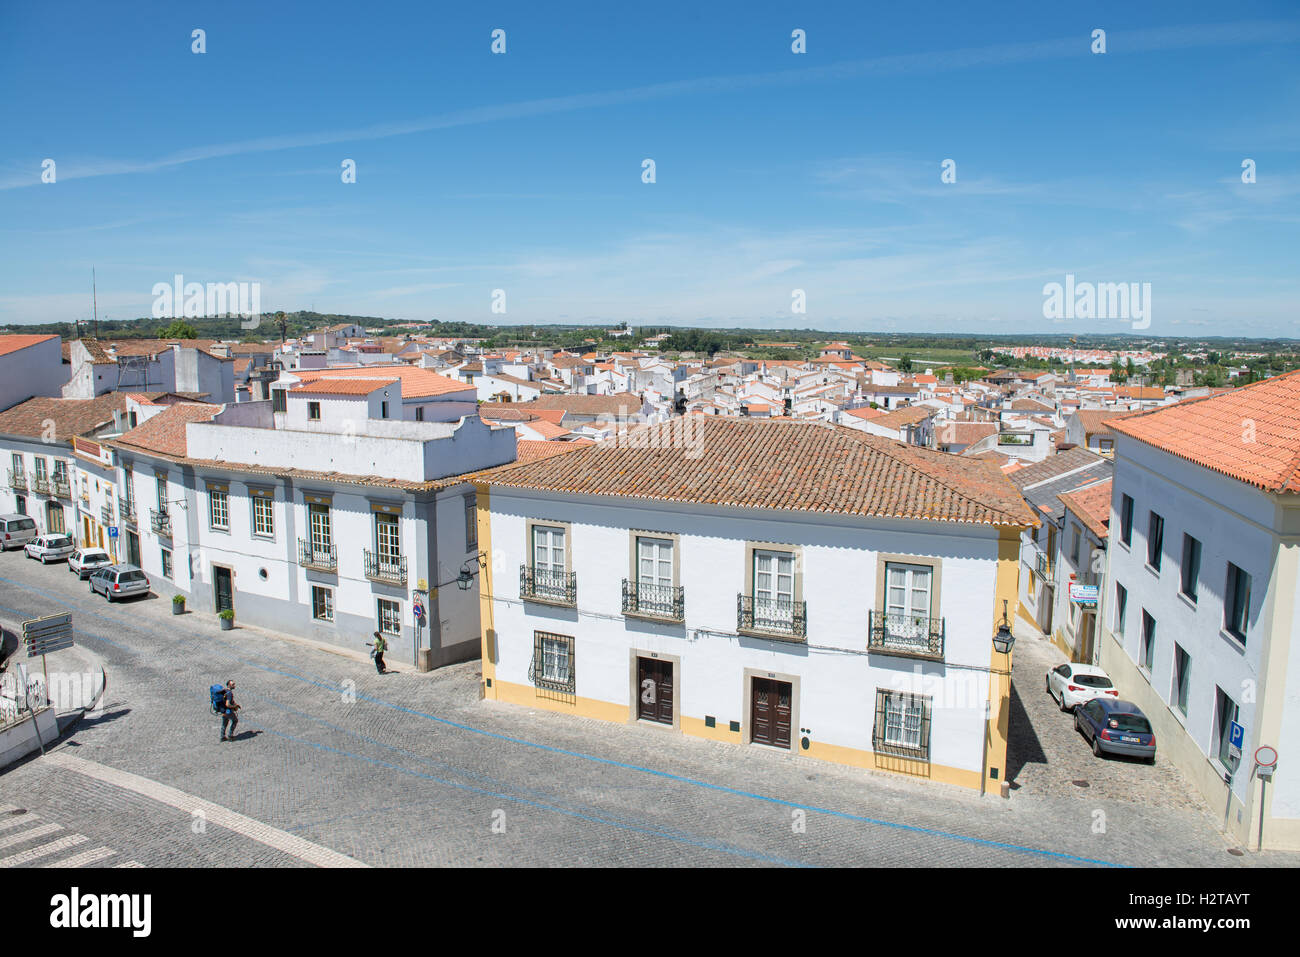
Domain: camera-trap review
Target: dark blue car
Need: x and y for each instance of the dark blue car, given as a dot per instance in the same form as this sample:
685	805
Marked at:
1116	727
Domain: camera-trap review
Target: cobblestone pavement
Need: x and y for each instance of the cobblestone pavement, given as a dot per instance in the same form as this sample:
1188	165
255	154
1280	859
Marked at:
1046	754
408	769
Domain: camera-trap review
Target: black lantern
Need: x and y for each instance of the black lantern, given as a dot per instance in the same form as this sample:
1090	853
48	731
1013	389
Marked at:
1004	639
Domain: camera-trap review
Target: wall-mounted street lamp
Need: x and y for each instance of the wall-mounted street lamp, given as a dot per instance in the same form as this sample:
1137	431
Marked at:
465	580
1004	639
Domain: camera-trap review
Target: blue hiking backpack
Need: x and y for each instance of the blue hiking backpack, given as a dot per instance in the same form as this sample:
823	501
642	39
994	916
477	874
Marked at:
218	693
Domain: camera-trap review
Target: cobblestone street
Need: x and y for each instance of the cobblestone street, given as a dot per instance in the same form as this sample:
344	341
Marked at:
409	769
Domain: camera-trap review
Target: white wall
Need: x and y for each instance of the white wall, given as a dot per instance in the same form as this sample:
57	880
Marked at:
36	370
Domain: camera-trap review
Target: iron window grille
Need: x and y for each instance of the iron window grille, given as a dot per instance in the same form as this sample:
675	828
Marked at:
902	725
385	568
17	478
322	603
40	484
557	588
62	488
772	617
106	514
390	617
1046	567
654	601
126	511
552	667
160	521
911	636
317	555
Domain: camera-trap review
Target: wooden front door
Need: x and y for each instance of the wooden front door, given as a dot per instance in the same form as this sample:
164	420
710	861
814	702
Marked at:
769	715
225	592
654	682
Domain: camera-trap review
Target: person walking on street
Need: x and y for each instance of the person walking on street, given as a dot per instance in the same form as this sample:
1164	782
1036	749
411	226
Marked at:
228	709
378	654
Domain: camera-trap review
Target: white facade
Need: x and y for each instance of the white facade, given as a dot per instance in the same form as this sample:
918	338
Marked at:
32	370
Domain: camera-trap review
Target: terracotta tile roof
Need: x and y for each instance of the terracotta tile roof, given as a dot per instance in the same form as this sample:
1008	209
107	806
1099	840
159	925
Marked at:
417	383
10	344
965	433
165	432
548	430
803	466
1094	420
70	416
1092	505
621	403
1054	466
341	386
1217	432
530	450
911	415
1030	405
505	412
866	412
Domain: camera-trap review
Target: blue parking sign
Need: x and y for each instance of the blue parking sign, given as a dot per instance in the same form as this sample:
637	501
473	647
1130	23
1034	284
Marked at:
112	531
1236	738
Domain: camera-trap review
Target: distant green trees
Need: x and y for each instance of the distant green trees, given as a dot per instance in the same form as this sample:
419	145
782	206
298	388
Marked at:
177	329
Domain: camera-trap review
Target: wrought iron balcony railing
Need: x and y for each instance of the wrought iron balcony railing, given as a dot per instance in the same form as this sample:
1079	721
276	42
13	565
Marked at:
106	514
772	617
654	601
41	484
62	488
911	636
554	588
321	556
160	521
1045	567
17	479
126	511
385	568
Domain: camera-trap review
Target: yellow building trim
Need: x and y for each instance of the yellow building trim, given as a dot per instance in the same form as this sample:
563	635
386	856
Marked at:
531	697
487	622
999	723
696	728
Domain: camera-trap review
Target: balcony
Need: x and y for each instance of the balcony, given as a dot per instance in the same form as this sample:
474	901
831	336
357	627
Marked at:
62	489
106	515
318	556
390	569
664	602
909	636
160	521
41	485
18	479
772	618
1045	567
126	512
551	588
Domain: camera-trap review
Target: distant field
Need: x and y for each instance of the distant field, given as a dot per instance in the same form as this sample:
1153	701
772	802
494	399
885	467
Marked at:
951	356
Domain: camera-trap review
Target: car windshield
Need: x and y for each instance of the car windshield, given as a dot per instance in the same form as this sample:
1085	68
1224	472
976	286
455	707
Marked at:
1092	681
1129	723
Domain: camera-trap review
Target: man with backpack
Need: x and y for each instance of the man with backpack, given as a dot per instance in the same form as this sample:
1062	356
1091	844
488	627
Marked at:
378	654
223	703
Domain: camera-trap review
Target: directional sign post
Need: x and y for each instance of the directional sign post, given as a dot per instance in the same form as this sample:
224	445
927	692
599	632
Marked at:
44	635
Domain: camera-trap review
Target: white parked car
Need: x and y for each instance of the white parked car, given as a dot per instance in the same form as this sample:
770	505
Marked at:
1074	684
83	561
50	548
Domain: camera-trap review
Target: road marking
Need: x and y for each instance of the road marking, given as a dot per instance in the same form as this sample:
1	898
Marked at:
53	847
84	859
20	819
304	850
30	833
130	864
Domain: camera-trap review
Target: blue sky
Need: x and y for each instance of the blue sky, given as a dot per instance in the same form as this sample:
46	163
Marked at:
775	171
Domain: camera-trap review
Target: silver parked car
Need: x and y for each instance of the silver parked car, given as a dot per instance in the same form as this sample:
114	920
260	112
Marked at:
16	531
84	561
50	548
119	581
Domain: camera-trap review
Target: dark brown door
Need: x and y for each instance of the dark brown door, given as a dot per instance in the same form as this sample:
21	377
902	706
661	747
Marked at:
654	681
769	716
225	592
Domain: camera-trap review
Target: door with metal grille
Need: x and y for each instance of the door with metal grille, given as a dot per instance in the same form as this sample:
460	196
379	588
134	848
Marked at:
654	690
770	712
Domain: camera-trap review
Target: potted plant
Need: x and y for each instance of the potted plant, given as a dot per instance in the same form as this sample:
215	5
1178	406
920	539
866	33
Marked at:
227	616
178	604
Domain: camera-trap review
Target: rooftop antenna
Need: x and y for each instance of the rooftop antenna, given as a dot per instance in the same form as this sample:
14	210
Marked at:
94	297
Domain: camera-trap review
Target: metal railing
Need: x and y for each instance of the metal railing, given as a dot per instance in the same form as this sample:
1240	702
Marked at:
654	601
911	636
555	588
62	488
772	617
1045	567
317	555
385	568
126	511
17	479
40	484
106	514
160	521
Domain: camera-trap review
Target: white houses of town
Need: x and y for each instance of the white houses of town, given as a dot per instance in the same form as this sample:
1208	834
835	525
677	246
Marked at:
783	584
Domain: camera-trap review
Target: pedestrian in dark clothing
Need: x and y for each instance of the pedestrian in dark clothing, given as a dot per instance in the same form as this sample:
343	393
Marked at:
378	654
228	709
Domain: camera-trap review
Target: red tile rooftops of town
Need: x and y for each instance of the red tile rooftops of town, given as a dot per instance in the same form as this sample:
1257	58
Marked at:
165	432
10	344
1092	504
784	465
1251	434
866	412
417	383
342	386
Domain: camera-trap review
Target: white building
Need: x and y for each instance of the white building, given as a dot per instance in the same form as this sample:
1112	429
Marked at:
1202	604
30	366
784	584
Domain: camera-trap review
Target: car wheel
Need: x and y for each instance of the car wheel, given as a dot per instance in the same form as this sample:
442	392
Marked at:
1151	760
1064	706
1077	725
1096	746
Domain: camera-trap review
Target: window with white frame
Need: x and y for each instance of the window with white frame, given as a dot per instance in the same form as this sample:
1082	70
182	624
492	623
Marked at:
322	603
552	666
908	591
388	539
318	523
902	724
390	616
166	563
160	488
549	560
773	584
219	509
263	516
471	523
